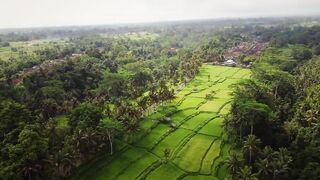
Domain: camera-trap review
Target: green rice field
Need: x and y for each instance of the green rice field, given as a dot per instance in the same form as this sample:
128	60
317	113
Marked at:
197	142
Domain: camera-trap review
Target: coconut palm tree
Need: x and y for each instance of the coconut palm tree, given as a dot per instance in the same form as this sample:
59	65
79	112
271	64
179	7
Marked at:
268	153
254	111
281	163
109	127
30	170
80	143
131	127
91	139
251	146
51	131
233	163
311	116
62	163
245	173
265	168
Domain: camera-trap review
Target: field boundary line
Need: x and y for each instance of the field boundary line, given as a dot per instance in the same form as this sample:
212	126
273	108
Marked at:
144	174
131	162
205	155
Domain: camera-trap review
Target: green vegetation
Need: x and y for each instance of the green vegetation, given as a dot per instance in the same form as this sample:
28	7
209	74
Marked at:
161	101
166	171
196	132
208	160
197	120
172	141
186	158
273	116
213	128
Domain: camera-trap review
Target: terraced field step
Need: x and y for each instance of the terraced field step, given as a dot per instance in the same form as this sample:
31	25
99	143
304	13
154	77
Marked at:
196	145
190	157
212	153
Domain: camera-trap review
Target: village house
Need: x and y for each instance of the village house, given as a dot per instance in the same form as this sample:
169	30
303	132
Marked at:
230	62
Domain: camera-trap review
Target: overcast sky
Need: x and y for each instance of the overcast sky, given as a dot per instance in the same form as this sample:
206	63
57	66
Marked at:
27	13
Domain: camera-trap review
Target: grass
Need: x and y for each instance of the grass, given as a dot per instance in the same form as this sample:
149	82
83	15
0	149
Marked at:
138	36
225	149
227	83
242	74
213	106
223	171
62	121
229	72
29	46
156	133
147	124
217	70
190	102
216	164
197	120
182	115
160	112
165	171
111	170
184	92
279	56
191	154
171	142
137	167
213	128
210	157
226	94
202	94
156	115
225	110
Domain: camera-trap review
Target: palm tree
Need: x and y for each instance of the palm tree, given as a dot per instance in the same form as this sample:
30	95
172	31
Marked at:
143	103
284	156
253	110
268	153
63	163
131	127
245	173
233	163
251	146
51	131
109	127
281	163
91	140
30	169
264	167
79	143
311	116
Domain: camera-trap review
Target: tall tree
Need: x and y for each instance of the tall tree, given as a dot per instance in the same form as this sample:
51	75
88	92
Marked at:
110	127
85	115
234	163
245	173
251	146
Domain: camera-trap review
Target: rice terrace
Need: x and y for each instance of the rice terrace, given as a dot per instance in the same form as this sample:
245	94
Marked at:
160	90
190	145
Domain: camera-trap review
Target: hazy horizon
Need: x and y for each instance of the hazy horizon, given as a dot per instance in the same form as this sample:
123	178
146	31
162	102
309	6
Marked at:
48	13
